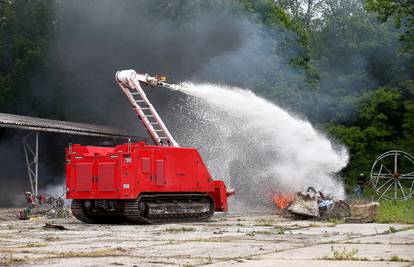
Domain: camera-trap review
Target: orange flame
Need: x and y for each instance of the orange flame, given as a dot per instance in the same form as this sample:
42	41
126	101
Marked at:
282	201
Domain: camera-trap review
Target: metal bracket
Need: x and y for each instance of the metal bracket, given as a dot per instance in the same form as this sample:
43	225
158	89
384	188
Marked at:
31	152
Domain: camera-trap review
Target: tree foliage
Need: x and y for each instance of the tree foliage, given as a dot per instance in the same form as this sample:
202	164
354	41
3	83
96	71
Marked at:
26	29
362	88
401	12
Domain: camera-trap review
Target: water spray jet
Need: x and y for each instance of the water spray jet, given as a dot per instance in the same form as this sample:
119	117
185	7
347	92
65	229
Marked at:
261	147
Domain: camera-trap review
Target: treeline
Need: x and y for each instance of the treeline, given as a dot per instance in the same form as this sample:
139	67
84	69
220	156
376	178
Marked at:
26	31
347	65
356	68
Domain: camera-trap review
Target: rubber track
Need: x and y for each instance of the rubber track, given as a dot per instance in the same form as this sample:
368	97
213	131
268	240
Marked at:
133	214
77	211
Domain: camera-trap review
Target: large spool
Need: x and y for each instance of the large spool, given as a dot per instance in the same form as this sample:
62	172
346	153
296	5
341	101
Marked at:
392	175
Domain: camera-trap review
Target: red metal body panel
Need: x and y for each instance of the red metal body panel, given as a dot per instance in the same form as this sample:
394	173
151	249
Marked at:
129	170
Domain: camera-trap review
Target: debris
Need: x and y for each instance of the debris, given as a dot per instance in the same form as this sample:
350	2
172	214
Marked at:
51	207
54	226
25	214
326	203
57	208
363	213
305	204
338	210
312	204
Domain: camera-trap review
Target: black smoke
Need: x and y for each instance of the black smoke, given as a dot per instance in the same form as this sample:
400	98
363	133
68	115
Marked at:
97	38
214	41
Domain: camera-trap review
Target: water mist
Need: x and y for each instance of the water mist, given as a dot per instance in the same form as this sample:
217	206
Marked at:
257	147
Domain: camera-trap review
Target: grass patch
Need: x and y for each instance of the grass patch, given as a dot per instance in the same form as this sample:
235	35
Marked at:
51	238
35	245
12	261
264	222
264	232
344	255
314	225
396	212
334	222
280	230
209	260
396	258
180	229
390	230
96	253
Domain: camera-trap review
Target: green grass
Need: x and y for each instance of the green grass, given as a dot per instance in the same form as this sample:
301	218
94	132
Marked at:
91	254
264	222
334	222
396	212
263	232
314	225
281	231
209	260
12	261
180	229
35	245
344	255
396	258
392	229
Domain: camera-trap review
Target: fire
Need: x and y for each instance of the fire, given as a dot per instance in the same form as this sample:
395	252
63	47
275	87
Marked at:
282	200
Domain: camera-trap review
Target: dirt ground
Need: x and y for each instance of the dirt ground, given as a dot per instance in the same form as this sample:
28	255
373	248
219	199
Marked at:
227	240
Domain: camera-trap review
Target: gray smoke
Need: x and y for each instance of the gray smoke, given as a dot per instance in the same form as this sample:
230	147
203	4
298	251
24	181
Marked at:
202	41
97	38
197	40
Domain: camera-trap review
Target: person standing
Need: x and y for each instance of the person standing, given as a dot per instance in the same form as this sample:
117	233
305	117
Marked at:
360	185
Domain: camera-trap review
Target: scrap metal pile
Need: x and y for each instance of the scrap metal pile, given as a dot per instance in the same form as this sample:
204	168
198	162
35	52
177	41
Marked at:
50	207
312	204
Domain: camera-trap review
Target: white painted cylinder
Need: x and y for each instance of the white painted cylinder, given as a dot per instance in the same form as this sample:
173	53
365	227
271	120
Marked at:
124	76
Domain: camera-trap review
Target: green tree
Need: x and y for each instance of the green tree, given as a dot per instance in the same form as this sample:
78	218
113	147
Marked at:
385	122
406	135
26	29
354	53
401	12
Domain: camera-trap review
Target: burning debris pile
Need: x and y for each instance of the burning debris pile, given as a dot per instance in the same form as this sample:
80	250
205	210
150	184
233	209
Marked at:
50	207
311	204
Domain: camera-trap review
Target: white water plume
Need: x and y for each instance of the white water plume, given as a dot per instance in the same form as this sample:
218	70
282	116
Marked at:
255	146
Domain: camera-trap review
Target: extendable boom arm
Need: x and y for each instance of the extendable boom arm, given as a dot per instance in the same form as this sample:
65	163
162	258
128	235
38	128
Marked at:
129	81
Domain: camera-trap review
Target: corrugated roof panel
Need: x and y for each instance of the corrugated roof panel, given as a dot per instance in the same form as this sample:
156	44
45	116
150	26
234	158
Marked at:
75	128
